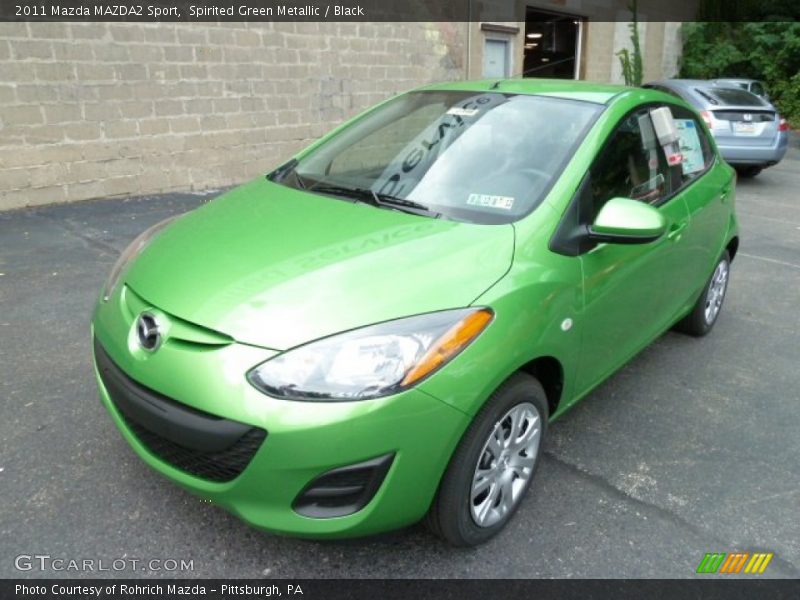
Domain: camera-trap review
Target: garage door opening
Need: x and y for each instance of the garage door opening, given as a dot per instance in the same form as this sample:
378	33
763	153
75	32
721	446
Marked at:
552	44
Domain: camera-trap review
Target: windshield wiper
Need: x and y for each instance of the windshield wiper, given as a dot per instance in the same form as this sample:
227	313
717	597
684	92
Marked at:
394	201
359	194
374	198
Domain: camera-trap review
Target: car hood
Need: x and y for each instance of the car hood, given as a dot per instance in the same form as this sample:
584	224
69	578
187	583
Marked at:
276	267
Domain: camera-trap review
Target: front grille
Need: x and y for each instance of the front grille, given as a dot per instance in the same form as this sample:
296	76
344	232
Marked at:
194	441
214	466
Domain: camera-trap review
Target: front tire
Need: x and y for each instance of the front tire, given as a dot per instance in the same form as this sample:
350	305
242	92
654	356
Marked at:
708	306
493	466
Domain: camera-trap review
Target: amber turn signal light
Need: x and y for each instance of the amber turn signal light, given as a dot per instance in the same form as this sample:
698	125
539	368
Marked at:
451	343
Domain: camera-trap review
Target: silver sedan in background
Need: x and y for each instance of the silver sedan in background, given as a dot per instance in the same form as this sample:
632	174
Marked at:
749	132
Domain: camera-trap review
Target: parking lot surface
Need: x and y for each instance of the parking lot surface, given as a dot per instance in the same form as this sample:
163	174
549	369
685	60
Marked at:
693	447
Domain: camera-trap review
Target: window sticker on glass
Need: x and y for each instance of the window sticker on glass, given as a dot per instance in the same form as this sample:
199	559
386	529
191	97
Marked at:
487	200
691	149
463	112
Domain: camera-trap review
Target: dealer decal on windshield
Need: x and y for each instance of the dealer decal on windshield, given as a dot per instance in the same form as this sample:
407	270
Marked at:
404	173
463	112
487	200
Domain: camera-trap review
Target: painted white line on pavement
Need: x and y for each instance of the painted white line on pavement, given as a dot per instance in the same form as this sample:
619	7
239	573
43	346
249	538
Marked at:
771	260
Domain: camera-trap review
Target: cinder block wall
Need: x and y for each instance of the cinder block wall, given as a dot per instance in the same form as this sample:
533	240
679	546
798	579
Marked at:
93	110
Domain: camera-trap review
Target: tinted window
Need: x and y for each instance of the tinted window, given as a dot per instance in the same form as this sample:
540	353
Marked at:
484	157
631	164
733	96
757	88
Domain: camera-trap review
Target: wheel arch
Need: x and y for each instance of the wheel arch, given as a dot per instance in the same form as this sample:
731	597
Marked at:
733	247
549	371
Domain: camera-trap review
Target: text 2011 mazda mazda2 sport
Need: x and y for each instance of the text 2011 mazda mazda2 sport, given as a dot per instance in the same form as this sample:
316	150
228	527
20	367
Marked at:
383	328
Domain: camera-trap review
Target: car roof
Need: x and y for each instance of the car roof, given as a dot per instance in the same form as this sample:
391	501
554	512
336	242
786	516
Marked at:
587	91
688	90
682	84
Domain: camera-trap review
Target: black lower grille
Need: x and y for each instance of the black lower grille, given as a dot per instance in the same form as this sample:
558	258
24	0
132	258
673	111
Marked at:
199	443
214	466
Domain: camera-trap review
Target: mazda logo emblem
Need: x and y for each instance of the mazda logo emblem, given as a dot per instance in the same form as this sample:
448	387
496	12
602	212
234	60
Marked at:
147	331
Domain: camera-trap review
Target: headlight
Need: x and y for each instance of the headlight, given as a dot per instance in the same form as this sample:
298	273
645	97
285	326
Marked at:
132	251
372	361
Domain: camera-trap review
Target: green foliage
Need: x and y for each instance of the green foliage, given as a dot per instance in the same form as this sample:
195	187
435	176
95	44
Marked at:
769	51
631	62
786	94
747	10
627	66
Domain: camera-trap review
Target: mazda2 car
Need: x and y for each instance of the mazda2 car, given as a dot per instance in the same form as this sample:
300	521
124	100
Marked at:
382	329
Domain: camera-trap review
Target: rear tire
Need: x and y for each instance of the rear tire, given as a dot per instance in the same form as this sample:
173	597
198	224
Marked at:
493	467
748	172
708	306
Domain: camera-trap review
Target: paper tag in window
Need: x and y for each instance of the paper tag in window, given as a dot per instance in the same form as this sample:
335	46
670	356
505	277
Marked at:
490	201
463	112
691	149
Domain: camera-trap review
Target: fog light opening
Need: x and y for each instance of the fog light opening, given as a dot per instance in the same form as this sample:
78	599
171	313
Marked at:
343	491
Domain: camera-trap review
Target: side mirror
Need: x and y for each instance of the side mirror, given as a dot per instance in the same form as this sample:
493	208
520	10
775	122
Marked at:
626	221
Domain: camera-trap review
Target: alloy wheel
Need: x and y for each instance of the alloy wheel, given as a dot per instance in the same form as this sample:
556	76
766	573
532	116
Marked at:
505	465
716	291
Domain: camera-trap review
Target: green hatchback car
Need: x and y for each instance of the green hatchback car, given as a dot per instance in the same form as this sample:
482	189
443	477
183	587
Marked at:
382	329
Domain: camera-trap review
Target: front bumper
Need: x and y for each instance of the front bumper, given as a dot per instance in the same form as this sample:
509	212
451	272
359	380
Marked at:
302	440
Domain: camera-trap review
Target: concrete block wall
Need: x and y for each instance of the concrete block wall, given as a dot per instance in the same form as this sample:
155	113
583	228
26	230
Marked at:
92	110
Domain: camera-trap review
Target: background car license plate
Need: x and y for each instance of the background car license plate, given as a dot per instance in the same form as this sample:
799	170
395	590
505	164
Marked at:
744	127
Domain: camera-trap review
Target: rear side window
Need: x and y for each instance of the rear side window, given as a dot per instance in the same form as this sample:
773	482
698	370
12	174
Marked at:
631	165
695	147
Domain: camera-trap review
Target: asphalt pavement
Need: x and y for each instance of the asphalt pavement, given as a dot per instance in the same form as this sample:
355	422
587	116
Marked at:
693	447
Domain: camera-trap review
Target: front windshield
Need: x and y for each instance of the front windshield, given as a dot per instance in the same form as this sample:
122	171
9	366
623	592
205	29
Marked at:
481	157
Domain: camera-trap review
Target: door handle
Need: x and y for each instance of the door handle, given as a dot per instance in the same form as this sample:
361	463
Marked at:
726	192
676	230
